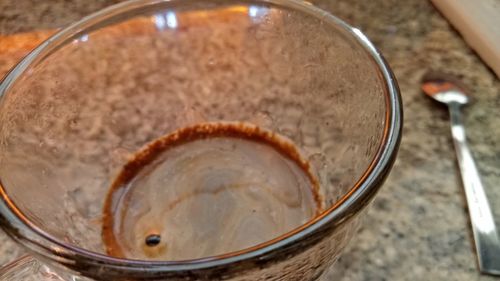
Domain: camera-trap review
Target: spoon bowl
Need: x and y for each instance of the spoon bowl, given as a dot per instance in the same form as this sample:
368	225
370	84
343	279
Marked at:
444	88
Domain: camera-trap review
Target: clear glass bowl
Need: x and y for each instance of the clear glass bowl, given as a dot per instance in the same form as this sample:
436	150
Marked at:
75	108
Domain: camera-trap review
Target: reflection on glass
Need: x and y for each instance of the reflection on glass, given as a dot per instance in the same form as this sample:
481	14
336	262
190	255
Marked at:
166	20
171	19
257	13
83	38
253	11
159	21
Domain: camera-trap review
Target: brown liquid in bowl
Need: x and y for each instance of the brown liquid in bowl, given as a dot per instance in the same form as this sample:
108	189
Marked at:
207	190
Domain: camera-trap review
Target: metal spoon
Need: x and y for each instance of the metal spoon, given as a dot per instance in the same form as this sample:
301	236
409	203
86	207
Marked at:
448	90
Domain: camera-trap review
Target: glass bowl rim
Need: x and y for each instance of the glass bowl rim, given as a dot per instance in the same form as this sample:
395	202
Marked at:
18	226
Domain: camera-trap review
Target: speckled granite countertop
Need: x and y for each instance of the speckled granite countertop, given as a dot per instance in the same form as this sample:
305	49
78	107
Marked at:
418	227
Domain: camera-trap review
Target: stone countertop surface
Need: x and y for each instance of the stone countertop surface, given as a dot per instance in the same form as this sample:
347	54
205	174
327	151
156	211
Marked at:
418	226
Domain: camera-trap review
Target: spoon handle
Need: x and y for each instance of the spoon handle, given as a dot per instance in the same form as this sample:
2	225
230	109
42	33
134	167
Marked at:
483	225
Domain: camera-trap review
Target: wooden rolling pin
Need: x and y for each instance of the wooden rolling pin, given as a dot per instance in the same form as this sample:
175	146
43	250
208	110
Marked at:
479	23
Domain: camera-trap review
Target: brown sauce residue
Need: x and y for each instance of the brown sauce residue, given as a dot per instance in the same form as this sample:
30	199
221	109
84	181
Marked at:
150	153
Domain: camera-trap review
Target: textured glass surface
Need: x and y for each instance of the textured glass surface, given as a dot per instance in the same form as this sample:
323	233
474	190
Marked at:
71	122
